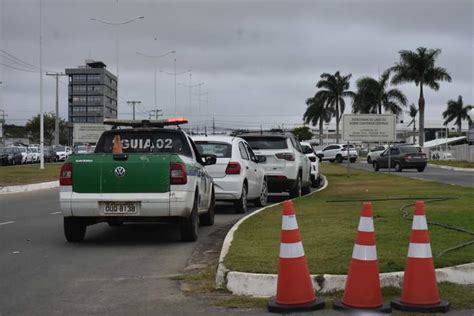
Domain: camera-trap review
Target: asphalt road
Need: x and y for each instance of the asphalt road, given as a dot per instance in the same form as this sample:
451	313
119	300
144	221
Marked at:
462	178
115	271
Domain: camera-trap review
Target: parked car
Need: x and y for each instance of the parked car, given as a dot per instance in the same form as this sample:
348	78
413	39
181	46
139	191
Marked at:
145	173
4	157
286	166
27	156
14	156
374	153
315	173
337	153
49	154
402	157
62	152
82	149
35	154
238	175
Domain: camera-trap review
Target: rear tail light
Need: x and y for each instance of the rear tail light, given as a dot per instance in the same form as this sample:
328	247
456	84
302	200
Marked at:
408	157
178	173
65	176
286	156
232	168
313	159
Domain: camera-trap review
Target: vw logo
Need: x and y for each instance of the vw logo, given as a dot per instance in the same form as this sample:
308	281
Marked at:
119	171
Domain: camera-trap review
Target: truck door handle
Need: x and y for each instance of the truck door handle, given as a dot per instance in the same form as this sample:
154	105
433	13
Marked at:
247	167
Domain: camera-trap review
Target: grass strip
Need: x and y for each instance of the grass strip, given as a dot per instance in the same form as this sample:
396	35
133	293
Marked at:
453	163
28	174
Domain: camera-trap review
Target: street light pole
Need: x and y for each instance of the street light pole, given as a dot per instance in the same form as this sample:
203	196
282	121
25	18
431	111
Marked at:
175	74
133	103
41	85
56	118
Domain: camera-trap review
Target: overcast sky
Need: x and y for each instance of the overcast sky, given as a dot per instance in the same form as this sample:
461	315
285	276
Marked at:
259	60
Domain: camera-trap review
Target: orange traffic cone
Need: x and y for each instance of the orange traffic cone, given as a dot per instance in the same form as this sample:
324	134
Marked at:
295	290
420	290
117	149
362	290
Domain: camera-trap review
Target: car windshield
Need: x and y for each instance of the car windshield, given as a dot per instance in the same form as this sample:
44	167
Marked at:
34	150
59	148
22	149
155	141
350	146
81	148
221	150
258	143
307	149
410	149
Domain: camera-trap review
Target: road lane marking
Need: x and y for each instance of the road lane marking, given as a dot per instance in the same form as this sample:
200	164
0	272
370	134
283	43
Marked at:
5	223
54	213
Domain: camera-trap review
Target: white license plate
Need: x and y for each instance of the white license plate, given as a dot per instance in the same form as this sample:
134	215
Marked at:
122	208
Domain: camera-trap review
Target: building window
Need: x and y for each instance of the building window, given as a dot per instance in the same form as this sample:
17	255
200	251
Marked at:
93	100
79	119
79	99
79	88
79	77
94	109
94	89
93	77
78	109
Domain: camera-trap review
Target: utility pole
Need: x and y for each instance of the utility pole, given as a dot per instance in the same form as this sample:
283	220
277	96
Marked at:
213	126
56	118
133	103
155	113
41	84
2	122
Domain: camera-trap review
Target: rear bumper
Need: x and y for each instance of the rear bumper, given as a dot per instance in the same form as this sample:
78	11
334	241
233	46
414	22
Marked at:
414	164
228	188
174	204
279	184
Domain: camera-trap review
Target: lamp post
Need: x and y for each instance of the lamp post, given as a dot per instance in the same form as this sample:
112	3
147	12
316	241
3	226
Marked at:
41	85
155	58
175	74
117	23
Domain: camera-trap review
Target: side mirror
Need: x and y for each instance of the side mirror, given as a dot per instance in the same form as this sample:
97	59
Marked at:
208	160
261	159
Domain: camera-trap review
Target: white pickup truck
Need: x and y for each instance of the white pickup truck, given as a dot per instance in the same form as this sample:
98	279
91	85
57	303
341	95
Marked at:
337	153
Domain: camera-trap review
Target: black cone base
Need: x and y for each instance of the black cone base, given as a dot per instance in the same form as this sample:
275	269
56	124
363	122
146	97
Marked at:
441	307
384	309
274	307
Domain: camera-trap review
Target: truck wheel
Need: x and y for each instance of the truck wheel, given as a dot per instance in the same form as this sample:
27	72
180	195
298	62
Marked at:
207	219
369	160
316	182
420	169
241	204
190	225
306	189
297	188
338	158
262	199
74	229
352	160
398	167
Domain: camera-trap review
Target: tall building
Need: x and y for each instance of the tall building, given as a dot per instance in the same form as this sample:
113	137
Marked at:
92	93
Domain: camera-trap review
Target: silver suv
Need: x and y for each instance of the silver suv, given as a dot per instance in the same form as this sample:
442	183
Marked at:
337	153
286	167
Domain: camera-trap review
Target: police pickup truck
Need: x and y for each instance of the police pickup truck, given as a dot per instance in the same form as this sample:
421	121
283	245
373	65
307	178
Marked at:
141	171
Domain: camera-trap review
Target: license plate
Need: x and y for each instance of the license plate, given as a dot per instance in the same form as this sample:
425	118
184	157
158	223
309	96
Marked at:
122	208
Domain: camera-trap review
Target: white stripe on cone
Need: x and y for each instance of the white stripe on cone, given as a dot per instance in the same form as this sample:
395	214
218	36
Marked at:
366	224
419	250
293	250
366	253
419	222
289	222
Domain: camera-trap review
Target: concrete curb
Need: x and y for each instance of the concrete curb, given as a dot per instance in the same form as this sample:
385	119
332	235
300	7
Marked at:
29	187
222	271
264	285
451	168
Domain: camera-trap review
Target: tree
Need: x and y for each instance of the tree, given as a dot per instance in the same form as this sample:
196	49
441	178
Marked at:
317	112
456	111
335	89
419	67
33	129
413	112
373	95
302	133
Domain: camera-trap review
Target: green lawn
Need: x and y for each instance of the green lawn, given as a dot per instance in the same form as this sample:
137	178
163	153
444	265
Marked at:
453	163
27	174
329	229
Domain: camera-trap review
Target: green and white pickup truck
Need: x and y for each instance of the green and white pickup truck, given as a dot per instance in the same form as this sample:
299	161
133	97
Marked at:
142	173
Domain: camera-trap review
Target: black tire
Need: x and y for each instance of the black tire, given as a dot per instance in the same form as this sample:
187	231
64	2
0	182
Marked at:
369	160
190	225
352	160
331	160
263	198
296	190
420	169
74	229
398	167
339	159
376	166
241	204
114	223
207	219
306	189
316	182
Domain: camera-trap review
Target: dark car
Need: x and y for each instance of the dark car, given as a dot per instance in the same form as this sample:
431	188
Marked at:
3	156
49	154
10	156
402	157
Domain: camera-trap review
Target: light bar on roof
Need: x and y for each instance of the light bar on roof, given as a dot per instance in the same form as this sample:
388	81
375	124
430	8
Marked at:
146	123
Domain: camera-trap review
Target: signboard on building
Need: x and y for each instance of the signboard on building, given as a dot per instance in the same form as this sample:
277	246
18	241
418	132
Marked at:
369	127
87	133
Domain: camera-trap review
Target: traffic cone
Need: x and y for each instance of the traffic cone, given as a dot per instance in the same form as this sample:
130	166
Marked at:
295	290
117	149
362	291
420	290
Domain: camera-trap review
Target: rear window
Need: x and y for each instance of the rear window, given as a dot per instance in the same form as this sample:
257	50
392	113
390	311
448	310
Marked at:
258	143
221	150
350	146
166	142
410	149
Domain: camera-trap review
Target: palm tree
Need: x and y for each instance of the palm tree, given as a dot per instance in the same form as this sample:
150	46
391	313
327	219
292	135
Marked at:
456	111
419	67
413	112
316	112
335	88
373	95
